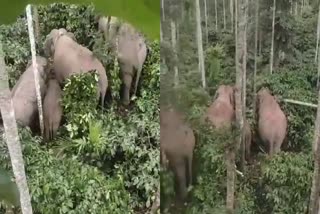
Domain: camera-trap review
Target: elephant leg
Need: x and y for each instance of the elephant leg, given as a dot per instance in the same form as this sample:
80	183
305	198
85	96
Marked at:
190	169
271	147
127	73
277	146
180	176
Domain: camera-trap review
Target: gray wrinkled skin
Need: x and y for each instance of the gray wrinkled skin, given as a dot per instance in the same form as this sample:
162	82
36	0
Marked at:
132	51
177	142
24	93
70	58
52	109
272	124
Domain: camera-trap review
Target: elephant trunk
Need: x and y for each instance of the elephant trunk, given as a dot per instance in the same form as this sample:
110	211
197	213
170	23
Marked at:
127	73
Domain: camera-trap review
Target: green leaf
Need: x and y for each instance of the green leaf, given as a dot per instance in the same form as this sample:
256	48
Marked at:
143	14
8	189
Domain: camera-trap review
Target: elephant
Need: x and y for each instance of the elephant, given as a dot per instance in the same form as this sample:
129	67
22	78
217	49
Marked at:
70	58
131	50
52	109
272	122
221	112
24	96
177	142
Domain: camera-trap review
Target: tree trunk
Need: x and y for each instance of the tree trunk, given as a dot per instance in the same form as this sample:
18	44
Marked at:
224	14
200	47
36	23
231	14
291	7
314	196
216	13
255	59
162	6
34	65
272	35
206	21
296	9
174	48
318	37
12	138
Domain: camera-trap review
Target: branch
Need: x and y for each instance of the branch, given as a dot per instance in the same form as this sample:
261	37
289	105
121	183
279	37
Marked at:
300	103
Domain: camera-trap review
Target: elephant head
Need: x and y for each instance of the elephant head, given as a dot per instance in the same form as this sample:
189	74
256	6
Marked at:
222	111
52	38
43	66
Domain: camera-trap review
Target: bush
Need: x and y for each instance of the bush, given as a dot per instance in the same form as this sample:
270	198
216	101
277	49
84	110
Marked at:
68	186
79	101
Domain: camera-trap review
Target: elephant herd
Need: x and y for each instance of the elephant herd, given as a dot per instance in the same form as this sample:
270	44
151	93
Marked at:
177	140
64	57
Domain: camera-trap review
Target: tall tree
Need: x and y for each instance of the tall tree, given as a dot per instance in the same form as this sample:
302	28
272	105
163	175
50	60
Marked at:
174	48
224	14
34	65
255	57
200	45
315	189
206	20
318	37
36	23
272	35
12	138
216	13
231	14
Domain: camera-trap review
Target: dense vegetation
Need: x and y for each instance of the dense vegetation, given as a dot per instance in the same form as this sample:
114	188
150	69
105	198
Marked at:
278	185
102	161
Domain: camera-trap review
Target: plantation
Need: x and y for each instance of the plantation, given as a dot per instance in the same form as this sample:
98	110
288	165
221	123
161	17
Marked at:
278	184
101	161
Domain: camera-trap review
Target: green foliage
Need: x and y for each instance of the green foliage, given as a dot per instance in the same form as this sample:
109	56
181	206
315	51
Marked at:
79	101
8	189
287	178
68	186
103	161
136	16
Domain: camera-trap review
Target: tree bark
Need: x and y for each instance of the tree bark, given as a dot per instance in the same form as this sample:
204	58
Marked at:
216	13
272	35
231	14
255	59
314	195
36	23
224	14
163	14
206	20
174	48
200	47
12	138
34	65
317	44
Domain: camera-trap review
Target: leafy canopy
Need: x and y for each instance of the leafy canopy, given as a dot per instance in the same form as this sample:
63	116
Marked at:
134	12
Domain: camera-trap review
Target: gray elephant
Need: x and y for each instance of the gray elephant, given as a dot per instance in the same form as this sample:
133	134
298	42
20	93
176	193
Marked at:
272	122
177	142
70	58
52	109
24	93
221	113
131	50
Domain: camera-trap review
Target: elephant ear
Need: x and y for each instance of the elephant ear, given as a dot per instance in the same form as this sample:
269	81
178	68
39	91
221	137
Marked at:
71	35
50	41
